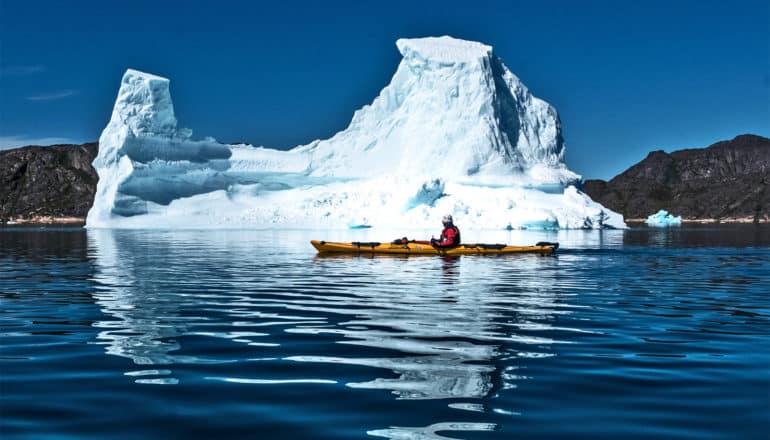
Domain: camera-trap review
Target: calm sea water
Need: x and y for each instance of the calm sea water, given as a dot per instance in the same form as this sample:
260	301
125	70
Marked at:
248	334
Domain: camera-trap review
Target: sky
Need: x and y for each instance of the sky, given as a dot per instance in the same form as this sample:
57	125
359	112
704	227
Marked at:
626	77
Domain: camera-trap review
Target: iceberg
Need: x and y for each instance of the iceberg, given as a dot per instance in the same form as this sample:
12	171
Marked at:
662	219
455	132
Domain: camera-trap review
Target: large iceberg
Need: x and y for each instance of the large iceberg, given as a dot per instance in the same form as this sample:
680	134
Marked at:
454	132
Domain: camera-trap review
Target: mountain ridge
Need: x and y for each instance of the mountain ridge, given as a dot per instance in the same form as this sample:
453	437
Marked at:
726	181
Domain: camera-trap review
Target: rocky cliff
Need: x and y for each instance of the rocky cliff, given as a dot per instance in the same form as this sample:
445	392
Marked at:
727	181
47	184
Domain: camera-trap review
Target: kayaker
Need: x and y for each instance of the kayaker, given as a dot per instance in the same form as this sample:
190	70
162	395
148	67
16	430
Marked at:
450	236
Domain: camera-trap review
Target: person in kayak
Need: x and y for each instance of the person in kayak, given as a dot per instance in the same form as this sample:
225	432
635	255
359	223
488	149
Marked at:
450	236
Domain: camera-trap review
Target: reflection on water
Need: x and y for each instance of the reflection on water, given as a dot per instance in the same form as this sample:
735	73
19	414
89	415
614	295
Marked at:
438	326
430	432
622	333
145	318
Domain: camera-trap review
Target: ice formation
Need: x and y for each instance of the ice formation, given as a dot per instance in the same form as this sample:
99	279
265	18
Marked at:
662	219
454	132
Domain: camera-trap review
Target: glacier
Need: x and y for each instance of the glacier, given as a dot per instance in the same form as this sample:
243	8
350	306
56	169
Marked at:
455	132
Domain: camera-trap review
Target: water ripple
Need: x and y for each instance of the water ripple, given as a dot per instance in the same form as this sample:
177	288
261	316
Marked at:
632	332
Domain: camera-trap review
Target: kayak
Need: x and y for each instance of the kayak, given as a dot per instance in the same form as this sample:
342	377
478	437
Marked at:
399	247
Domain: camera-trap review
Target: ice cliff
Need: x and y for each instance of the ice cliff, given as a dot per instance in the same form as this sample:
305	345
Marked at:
454	132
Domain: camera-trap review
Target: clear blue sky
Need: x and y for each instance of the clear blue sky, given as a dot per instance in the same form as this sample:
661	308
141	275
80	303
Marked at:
626	77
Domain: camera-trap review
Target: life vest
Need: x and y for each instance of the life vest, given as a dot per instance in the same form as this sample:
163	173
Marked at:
450	236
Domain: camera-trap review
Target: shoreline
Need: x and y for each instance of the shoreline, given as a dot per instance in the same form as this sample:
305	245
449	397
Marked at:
45	220
81	221
727	220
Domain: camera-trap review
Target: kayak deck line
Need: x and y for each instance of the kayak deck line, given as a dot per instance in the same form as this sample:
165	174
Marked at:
423	248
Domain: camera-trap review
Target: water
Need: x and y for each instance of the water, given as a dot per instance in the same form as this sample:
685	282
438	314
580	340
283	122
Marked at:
248	334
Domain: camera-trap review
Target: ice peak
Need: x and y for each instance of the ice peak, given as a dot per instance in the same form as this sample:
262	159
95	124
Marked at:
143	75
443	49
453	110
144	104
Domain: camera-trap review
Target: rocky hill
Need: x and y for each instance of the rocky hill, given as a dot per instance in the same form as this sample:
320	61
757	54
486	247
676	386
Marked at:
47	184
727	181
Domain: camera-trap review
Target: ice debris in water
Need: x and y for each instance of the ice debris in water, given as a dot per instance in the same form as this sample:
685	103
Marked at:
662	219
455	132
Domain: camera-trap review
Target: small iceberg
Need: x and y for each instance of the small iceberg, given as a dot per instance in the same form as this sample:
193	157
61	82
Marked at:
662	219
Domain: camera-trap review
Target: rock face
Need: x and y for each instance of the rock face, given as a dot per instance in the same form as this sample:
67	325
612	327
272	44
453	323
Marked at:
56	181
727	181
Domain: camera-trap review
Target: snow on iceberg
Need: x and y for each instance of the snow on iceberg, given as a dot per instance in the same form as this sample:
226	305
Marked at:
454	132
662	219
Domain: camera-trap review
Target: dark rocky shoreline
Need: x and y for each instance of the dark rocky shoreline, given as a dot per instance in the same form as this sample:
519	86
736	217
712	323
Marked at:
47	185
727	182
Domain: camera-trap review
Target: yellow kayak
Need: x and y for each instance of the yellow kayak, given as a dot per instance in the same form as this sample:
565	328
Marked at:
424	248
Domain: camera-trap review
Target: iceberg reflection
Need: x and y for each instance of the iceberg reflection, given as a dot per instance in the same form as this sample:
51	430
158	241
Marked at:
420	328
446	333
143	325
151	299
430	432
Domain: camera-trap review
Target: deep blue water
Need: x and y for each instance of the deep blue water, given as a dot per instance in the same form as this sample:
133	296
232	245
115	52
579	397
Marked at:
248	334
